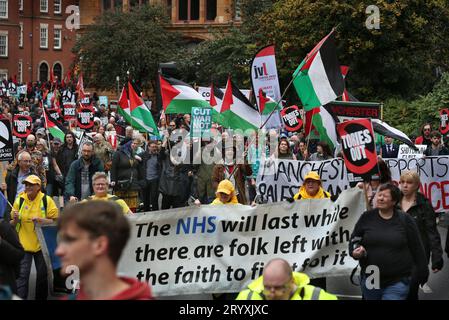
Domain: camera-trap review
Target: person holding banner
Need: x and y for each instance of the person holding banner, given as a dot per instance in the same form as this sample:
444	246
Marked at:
92	237
311	189
32	207
225	193
100	184
436	148
279	282
386	241
416	205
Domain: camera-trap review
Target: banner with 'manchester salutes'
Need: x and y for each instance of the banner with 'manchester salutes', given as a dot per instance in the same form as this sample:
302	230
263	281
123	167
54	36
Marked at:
359	149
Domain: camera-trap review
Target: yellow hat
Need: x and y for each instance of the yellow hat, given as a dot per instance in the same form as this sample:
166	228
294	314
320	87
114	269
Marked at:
33	180
312	175
225	186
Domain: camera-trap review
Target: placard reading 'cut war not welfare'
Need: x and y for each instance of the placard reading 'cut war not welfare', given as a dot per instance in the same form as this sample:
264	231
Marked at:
279	180
222	248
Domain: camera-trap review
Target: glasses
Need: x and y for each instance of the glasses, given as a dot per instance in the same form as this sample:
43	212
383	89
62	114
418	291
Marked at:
100	184
26	161
425	129
276	289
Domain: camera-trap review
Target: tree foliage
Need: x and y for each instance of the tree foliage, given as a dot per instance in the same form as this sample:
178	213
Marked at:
118	42
409	117
398	60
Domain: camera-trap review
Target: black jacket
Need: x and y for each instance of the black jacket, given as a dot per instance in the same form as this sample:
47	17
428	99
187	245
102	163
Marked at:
425	219
394	150
442	152
393	245
11	182
65	157
124	167
11	253
73	179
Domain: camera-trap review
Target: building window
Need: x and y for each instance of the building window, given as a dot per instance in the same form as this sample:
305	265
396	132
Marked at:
3	74
44	5
4	9
20	67
237	10
21	35
57	6
43	72
3	44
57	37
44	36
211	9
188	9
57	71
118	4
20	5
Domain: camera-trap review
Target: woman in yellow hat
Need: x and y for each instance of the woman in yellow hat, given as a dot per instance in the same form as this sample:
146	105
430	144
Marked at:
311	188
225	193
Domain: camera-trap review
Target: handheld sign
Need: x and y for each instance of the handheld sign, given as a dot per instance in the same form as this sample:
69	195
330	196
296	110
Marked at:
6	143
85	117
69	111
201	122
444	121
55	114
359	149
291	116
22	125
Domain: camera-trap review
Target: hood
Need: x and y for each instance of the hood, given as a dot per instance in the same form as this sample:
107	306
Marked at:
304	195
137	291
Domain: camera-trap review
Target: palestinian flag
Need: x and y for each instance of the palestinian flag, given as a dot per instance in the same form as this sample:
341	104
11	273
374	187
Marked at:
123	105
216	101
238	112
142	119
318	79
54	128
325	123
385	129
346	96
266	106
179	97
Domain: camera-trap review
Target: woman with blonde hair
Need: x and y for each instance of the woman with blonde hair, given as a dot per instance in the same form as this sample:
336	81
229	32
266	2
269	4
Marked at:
416	205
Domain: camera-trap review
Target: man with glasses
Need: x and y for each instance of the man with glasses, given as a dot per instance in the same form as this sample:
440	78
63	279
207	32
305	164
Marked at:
15	176
100	184
279	282
32	207
425	137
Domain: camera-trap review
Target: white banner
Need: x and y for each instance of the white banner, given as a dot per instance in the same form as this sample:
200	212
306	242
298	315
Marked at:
405	152
223	248
205	92
264	74
281	179
278	180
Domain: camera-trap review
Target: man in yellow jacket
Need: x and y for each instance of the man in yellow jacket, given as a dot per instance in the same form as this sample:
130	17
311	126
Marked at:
225	193
279	282
32	207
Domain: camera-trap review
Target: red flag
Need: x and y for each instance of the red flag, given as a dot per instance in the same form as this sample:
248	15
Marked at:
309	125
227	98
52	76
212	100
80	87
262	100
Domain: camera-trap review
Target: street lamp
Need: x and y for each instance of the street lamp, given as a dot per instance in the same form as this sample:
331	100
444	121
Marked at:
118	84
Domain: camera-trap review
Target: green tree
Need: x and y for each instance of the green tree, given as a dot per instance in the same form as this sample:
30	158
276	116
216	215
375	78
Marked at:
118	42
399	59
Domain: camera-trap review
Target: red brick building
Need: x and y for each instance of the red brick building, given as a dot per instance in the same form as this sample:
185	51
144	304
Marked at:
34	39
